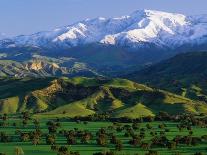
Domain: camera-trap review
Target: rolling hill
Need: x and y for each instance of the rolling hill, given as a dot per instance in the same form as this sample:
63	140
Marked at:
81	96
184	74
41	66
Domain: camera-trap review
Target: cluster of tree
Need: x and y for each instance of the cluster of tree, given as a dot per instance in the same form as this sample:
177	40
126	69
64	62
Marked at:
63	150
105	136
161	116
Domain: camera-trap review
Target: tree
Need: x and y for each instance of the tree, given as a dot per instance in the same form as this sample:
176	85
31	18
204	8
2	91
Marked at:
160	141
35	136
152	152
74	153
145	146
86	137
18	151
4	137
161	126
24	122
52	127
113	139
119	145
24	137
204	137
26	115
54	148
190	132
36	123
148	126
50	139
71	140
198	153
136	140
172	145
36	140
5	117
70	136
63	150
14	124
135	126
102	140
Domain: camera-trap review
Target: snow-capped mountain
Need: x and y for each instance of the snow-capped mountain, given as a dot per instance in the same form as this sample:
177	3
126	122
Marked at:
162	29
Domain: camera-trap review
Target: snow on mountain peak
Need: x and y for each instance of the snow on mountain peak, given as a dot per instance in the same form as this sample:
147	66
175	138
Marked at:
142	26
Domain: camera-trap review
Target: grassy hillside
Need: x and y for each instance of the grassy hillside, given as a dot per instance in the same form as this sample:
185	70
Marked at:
40	66
184	74
80	96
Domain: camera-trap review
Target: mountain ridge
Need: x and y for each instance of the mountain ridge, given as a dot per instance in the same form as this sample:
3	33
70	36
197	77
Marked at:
110	46
162	29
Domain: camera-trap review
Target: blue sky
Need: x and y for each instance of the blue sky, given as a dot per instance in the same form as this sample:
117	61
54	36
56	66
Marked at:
29	16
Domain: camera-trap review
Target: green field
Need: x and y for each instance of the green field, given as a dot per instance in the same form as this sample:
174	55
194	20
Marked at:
92	147
100	101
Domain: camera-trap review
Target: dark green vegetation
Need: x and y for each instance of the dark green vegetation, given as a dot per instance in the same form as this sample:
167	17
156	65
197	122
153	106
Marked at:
181	134
112	60
92	59
80	96
184	74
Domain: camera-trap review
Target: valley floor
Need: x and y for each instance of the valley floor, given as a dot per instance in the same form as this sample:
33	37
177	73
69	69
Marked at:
92	147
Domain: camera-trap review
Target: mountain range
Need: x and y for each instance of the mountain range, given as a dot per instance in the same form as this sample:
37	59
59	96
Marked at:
107	46
141	29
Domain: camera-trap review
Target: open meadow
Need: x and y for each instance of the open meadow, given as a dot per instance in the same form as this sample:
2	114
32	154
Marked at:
33	137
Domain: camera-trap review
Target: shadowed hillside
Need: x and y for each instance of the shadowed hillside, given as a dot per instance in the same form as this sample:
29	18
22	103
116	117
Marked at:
80	96
184	74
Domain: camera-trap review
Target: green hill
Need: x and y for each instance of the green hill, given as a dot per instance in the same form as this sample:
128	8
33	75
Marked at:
184	74
81	96
41	66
